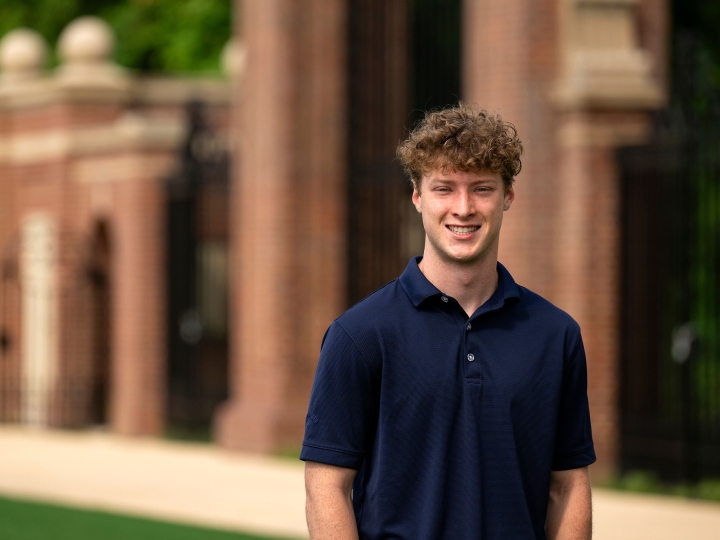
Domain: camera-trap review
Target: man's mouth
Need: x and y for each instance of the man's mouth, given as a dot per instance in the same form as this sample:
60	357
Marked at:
462	230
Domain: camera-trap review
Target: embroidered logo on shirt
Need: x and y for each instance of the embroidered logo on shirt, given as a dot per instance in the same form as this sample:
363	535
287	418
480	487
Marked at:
310	418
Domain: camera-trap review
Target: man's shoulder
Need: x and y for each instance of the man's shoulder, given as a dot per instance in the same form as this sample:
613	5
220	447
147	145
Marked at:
546	313
373	310
365	322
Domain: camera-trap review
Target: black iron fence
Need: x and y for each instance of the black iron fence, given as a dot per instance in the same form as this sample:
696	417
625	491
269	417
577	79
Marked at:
671	273
197	279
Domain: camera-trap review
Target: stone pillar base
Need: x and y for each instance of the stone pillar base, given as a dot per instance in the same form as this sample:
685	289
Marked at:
259	428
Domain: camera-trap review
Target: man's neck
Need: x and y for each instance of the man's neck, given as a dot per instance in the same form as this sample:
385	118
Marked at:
470	284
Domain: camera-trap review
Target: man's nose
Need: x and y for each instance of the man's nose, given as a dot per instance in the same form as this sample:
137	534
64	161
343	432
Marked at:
463	206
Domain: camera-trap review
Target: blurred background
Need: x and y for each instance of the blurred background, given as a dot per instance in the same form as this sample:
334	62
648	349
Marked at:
191	191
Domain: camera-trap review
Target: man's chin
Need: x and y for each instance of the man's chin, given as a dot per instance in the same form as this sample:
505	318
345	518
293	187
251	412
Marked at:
460	257
463	259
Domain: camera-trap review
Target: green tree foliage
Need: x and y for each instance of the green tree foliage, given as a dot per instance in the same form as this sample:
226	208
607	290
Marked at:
157	35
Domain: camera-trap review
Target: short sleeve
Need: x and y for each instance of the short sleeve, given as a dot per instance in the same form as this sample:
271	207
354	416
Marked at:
573	442
342	415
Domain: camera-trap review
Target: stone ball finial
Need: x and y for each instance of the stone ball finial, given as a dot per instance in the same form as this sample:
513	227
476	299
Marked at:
87	40
233	58
23	52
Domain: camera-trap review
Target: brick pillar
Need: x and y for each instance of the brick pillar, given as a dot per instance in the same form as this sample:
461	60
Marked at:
495	49
605	86
587	264
137	404
576	80
509	65
587	255
288	231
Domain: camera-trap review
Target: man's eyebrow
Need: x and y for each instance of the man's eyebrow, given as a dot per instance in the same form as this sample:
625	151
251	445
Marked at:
474	182
485	181
446	180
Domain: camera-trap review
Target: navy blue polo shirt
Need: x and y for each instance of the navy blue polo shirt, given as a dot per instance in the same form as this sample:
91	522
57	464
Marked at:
454	423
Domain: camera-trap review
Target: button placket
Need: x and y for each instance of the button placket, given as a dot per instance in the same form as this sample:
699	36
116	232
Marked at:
473	367
470	356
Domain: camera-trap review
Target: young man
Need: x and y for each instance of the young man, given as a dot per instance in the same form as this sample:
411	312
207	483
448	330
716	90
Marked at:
451	404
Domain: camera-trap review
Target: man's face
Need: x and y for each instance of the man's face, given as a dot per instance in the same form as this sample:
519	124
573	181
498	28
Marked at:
462	213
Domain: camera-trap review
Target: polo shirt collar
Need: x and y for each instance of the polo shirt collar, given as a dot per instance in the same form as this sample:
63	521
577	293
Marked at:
419	289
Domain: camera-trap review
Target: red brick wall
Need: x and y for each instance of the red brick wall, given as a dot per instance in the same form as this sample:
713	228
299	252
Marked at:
126	193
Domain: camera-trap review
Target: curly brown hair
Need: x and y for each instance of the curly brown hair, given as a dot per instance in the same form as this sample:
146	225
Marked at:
462	138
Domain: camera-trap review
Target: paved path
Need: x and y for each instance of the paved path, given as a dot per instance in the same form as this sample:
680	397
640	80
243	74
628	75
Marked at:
191	483
206	485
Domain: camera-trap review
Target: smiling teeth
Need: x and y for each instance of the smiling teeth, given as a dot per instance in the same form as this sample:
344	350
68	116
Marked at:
463	230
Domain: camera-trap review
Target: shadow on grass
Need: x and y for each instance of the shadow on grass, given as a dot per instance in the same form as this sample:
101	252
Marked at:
24	520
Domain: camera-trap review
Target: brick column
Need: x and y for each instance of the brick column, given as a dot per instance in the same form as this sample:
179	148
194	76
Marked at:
288	231
577	82
605	86
587	256
509	64
138	394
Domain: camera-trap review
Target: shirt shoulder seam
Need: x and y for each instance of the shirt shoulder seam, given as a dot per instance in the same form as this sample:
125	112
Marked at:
357	347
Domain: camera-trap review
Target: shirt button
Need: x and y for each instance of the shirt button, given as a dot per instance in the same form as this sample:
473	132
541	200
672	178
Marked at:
444	299
471	357
469	326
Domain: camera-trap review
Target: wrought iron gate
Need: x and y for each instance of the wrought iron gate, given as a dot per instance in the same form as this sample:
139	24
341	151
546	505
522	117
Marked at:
671	297
404	59
197	249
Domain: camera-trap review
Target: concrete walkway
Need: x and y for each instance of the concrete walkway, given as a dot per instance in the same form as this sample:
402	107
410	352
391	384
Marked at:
188	483
203	484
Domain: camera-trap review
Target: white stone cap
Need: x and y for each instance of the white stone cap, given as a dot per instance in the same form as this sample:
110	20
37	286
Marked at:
85	48
233	58
608	78
87	40
23	53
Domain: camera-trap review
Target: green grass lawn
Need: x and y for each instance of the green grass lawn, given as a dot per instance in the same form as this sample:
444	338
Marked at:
23	520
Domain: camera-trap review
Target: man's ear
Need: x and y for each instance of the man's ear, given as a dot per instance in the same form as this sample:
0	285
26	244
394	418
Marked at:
416	199
509	198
